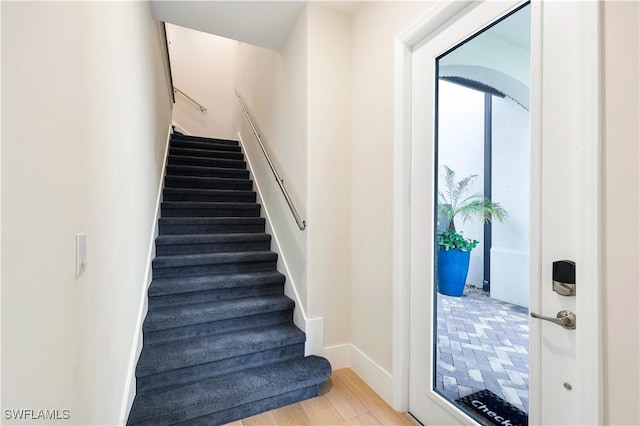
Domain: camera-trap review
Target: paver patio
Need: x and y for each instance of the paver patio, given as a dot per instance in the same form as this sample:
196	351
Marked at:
483	343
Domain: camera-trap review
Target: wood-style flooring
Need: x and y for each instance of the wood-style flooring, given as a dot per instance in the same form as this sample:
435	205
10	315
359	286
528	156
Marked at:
344	400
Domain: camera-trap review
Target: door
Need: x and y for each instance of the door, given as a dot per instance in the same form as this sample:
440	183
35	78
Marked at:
564	364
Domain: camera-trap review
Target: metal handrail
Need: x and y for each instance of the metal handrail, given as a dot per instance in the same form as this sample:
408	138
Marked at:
301	223
175	89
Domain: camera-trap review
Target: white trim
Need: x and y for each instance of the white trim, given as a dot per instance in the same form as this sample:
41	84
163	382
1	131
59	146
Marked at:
180	128
313	327
136	344
350	356
589	345
404	44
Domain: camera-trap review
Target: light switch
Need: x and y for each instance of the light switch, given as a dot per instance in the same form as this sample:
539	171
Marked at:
81	253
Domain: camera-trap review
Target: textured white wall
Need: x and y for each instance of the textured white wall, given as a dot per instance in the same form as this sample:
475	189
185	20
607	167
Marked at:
85	114
203	67
621	102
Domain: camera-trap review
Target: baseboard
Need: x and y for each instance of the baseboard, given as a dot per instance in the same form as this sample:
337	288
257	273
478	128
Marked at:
180	128
350	356
313	327
136	345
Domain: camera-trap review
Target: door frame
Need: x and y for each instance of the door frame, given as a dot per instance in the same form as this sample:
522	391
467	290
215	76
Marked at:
587	121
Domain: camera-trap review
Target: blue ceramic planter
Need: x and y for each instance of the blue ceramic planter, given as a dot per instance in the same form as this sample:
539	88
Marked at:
453	266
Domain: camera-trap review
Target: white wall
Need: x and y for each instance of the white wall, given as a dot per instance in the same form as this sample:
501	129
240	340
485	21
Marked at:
86	111
274	87
621	92
203	67
329	168
461	148
375	26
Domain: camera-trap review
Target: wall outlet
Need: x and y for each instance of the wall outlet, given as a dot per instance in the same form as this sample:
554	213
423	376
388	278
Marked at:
81	253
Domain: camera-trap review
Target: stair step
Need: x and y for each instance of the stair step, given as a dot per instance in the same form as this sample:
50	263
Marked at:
211	243
180	136
204	161
209	209
184	285
196	182
199	313
217	263
186	353
231	396
173	378
189	152
208	195
205	171
209	225
214	146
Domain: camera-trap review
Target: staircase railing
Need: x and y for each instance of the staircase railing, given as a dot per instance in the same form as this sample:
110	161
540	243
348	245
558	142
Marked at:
202	109
301	222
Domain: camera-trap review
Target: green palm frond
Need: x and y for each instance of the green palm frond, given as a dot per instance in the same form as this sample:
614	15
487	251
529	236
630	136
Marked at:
451	203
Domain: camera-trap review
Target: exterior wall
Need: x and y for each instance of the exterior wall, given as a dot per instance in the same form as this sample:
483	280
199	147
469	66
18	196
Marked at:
85	114
620	188
203	67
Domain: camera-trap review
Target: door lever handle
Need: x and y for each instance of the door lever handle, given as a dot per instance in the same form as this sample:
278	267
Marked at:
566	319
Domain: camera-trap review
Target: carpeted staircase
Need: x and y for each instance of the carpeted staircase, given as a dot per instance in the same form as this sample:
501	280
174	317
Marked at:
219	339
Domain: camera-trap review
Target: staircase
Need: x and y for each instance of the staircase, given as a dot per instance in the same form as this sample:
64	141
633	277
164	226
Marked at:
219	339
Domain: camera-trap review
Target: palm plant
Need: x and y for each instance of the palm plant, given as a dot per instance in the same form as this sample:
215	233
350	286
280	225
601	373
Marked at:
453	202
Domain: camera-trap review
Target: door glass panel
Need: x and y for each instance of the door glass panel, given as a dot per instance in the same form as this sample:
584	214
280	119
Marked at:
481	335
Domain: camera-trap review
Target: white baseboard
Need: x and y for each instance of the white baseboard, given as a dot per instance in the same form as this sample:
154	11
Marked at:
350	356
136	345
180	128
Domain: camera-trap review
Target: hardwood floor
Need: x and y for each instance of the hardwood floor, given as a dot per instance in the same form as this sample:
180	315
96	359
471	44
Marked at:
344	400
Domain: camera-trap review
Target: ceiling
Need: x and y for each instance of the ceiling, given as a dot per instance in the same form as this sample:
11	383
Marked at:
262	23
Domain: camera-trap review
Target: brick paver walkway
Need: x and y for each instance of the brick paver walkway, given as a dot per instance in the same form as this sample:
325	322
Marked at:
483	344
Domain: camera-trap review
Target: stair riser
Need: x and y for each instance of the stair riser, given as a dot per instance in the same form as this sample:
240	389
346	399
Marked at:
208	212
249	197
224	268
179	137
174	160
171	229
214	295
218	327
174	249
229	365
227	184
200	171
248	410
204	145
203	153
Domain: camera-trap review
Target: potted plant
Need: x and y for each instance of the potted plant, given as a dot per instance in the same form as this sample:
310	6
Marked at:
454	249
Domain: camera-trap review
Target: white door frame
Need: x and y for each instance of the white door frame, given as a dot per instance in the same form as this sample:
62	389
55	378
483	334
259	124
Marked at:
587	123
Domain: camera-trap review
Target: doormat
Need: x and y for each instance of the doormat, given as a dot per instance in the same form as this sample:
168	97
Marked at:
493	410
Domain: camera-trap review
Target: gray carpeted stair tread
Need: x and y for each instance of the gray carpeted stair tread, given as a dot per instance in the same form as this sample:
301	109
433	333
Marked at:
210	238
210	153
197	313
188	194
211	204
178	136
213	258
214	162
199	182
192	225
178	143
225	392
167	286
186	353
206	171
209	209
